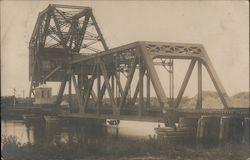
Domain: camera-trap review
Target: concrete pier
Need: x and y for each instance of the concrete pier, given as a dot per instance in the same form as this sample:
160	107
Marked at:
51	120
237	130
232	129
89	131
224	129
208	130
214	130
184	132
52	128
246	131
34	123
190	124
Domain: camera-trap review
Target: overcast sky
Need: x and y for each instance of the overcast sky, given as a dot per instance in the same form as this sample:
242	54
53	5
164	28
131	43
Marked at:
222	27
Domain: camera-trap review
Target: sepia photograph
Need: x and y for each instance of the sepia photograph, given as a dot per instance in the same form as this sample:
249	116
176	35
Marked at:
125	80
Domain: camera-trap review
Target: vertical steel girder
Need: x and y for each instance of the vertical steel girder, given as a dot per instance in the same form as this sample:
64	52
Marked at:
141	99
113	84
199	97
70	90
171	82
80	82
148	91
153	75
98	103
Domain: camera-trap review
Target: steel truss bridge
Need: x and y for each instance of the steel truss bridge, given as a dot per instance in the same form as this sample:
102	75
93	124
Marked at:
67	46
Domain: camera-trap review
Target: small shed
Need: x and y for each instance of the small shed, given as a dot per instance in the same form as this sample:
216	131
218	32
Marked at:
43	95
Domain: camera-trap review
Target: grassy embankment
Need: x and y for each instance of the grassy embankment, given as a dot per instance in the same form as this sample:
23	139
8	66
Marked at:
122	148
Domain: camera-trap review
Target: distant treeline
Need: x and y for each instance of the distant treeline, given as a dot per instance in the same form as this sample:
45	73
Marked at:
210	100
9	101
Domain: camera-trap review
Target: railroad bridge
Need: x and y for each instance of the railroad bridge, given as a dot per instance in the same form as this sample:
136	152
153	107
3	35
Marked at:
67	46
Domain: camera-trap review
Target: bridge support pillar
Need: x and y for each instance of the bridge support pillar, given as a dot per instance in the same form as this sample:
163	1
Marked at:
51	121
246	130
231	129
224	129
200	130
208	130
89	132
211	130
52	127
189	123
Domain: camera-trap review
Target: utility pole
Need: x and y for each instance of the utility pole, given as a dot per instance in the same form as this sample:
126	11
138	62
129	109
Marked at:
14	101
23	94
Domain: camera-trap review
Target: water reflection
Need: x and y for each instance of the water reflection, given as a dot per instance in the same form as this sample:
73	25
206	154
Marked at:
18	129
71	131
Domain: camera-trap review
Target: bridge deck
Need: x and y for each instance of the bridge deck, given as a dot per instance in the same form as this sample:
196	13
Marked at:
121	117
238	113
233	112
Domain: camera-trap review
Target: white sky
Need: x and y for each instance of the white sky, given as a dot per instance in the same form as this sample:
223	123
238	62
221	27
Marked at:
222	27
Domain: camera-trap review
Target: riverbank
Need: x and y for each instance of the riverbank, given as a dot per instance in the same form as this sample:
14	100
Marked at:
120	149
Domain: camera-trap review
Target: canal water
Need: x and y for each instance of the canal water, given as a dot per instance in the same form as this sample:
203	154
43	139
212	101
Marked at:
65	131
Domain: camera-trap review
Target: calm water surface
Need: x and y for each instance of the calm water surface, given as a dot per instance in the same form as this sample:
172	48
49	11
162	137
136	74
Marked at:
70	131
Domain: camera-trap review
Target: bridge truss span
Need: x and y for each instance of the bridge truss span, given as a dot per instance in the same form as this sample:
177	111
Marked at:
103	79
